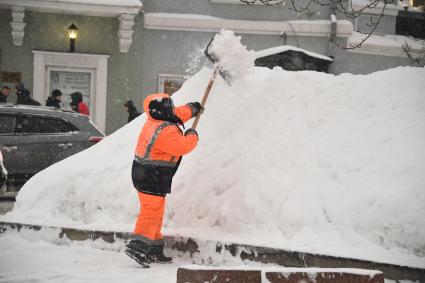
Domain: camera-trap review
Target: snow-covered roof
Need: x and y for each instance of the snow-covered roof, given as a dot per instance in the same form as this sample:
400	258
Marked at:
206	23
391	9
385	45
283	48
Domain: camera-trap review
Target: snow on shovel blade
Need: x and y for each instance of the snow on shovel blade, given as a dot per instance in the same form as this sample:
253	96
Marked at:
214	59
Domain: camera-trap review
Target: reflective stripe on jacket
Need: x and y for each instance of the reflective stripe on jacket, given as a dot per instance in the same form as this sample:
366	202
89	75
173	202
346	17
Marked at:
159	149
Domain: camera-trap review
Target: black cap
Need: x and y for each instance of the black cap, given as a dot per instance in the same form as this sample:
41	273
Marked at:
56	93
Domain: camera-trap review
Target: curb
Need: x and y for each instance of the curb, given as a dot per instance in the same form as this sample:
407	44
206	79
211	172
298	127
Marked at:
244	252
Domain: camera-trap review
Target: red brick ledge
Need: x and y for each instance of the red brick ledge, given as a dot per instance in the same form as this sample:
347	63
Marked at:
199	274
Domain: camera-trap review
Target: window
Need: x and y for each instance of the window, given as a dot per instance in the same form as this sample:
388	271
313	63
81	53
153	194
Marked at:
44	125
95	64
171	86
7	124
170	83
411	21
414	3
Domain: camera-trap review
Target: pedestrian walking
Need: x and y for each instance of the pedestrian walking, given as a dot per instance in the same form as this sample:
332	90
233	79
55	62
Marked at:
132	110
158	154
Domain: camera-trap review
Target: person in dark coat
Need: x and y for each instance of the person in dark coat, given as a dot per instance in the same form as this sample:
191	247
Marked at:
132	110
55	99
4	93
24	96
19	87
77	103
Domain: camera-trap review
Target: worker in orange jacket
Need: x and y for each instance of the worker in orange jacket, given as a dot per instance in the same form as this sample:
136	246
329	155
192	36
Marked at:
159	151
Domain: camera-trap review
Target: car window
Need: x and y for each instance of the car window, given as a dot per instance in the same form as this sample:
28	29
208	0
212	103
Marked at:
7	124
44	125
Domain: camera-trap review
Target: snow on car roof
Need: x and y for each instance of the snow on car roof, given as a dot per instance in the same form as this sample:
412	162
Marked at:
283	48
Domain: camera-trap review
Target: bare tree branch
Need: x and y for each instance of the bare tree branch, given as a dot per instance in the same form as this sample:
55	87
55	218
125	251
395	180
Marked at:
417	57
345	8
265	2
373	24
342	6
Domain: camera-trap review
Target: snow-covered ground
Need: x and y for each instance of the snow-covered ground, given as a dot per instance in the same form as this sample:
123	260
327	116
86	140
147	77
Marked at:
42	257
297	160
31	256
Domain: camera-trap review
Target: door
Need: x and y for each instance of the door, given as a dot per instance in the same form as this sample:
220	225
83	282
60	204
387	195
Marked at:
69	80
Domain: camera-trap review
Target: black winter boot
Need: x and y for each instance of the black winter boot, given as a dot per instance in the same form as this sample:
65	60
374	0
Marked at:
139	246
140	251
158	255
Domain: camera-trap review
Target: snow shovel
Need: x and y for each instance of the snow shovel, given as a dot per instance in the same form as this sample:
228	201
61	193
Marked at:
217	70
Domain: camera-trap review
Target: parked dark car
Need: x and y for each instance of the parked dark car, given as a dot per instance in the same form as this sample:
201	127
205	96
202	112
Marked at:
33	138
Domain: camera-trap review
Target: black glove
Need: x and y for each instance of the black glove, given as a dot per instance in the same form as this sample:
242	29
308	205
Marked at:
191	131
196	108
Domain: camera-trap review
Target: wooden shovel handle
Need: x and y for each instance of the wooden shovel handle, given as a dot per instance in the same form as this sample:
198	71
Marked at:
204	99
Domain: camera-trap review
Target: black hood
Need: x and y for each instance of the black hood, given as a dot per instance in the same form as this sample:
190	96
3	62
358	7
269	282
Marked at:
163	109
76	98
130	105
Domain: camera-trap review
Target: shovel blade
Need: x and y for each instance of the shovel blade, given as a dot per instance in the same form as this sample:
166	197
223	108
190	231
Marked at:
214	59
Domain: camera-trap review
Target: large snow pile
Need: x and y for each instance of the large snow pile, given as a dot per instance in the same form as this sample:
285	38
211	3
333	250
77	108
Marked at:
298	160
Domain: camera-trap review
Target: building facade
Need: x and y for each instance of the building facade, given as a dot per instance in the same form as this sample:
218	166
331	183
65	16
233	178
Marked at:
129	50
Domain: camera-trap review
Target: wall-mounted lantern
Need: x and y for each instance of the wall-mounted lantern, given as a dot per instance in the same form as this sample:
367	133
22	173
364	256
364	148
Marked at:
72	33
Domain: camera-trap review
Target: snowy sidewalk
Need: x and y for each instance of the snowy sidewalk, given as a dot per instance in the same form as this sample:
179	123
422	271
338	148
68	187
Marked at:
27	257
31	256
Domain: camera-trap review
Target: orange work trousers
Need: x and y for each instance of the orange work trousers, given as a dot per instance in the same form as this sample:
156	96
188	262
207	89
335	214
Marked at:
149	221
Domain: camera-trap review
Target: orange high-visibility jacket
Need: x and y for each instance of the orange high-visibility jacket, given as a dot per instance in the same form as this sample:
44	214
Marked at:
159	149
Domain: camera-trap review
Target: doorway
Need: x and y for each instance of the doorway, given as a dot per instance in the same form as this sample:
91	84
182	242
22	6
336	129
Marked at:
69	72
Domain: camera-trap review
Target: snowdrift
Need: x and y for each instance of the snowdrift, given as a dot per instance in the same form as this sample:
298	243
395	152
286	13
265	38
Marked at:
298	160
